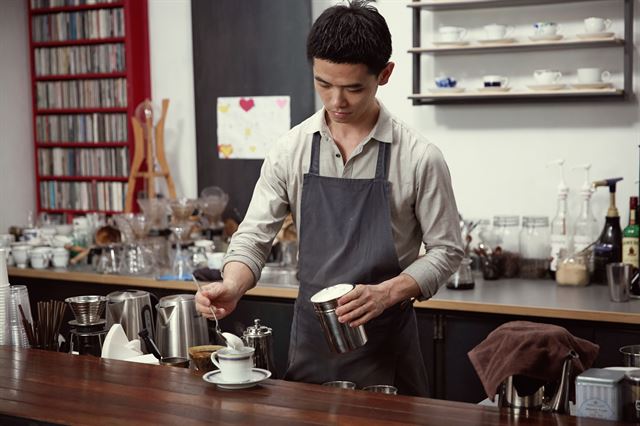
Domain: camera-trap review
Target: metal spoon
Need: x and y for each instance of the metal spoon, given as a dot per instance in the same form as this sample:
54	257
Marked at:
213	312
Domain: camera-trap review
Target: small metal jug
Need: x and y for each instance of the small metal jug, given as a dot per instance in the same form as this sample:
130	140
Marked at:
260	338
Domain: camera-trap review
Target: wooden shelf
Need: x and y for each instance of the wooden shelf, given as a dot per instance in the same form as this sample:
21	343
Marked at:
87	76
519	45
94	6
468	97
480	4
73	211
81	144
85	178
82	42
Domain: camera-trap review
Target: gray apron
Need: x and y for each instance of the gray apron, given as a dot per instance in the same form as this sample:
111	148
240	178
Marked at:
346	237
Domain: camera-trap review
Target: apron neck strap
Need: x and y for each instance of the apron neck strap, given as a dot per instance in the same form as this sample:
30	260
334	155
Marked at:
382	163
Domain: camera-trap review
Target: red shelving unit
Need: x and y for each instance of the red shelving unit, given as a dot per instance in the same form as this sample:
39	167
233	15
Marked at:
99	122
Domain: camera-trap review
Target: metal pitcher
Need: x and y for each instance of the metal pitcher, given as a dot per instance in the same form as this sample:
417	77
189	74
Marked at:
179	326
260	338
132	310
559	403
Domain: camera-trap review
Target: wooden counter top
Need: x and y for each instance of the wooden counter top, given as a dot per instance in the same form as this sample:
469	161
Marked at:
533	298
69	389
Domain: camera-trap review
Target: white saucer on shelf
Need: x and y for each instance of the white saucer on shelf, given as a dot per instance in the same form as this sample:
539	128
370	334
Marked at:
446	89
595	36
257	375
546	37
451	43
494	89
497	40
555	86
600	85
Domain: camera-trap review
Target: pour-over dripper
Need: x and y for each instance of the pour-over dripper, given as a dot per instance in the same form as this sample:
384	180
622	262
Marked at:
155	210
181	209
87	310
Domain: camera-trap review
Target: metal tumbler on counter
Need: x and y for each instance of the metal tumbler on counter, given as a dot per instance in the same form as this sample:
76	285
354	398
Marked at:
341	338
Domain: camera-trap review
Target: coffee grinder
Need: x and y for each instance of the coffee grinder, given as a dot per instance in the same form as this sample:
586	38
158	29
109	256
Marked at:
88	331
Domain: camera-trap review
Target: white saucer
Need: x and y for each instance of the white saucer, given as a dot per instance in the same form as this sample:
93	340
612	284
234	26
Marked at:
494	89
446	89
257	375
451	43
595	36
549	37
600	85
497	40
555	86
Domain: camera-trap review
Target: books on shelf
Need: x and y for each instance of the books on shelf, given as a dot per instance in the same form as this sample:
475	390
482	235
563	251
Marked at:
100	93
95	58
90	68
108	162
81	128
82	25
103	196
46	4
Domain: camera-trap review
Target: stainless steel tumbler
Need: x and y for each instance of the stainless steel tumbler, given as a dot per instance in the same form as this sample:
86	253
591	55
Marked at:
341	338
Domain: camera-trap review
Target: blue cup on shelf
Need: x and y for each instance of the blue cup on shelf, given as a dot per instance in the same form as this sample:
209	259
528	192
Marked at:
445	82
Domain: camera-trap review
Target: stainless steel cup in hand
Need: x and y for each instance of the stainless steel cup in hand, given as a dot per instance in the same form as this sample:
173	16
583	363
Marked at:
341	338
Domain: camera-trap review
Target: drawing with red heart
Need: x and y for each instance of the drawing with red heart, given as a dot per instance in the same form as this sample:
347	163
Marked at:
247	104
281	102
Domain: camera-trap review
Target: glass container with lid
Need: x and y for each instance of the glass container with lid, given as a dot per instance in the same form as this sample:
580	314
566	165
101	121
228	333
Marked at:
534	247
506	229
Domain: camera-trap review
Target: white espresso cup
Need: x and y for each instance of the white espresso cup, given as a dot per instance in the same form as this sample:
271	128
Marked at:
497	31
20	255
495	81
545	28
235	365
60	258
596	25
451	34
39	258
547	76
592	75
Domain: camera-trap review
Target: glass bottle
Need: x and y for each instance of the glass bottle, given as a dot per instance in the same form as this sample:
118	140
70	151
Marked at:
534	247
631	243
508	239
559	233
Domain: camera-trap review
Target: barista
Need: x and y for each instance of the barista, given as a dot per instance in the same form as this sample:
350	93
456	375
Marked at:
365	191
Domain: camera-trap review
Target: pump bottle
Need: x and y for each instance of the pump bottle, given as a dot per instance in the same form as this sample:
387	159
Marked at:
560	224
608	247
585	231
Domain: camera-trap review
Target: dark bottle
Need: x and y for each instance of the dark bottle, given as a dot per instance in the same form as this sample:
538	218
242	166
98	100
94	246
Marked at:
608	249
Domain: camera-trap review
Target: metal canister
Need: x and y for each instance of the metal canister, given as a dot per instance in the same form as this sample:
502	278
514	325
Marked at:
631	396
340	337
599	394
630	355
260	338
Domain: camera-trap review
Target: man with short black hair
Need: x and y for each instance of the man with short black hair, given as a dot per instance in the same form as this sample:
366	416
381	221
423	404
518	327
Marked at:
365	191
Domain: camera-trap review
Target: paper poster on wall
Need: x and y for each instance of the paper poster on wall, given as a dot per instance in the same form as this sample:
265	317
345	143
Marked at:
248	126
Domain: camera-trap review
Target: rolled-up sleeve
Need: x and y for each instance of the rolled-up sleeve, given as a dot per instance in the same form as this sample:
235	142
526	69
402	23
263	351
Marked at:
267	210
437	213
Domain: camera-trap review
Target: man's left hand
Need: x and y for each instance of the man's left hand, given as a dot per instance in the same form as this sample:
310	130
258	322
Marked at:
363	303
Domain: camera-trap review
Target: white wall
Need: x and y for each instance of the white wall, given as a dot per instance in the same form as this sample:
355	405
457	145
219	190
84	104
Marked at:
497	153
17	181
172	78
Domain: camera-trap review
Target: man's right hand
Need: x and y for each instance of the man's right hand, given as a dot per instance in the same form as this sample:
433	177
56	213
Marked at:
224	296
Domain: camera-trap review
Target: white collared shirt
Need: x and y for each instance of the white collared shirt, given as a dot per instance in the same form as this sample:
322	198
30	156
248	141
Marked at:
423	207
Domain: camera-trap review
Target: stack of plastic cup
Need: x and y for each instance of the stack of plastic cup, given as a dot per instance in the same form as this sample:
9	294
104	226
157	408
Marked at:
5	297
19	298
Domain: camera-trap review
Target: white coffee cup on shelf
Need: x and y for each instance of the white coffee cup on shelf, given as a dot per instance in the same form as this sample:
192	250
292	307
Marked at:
596	25
39	257
497	31
20	255
592	75
547	76
60	258
235	365
545	28
451	34
495	81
